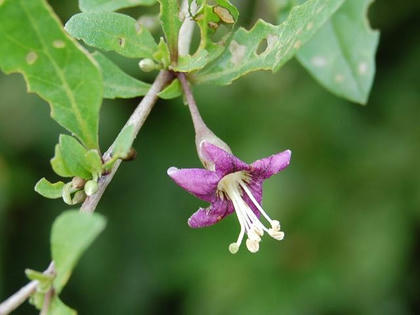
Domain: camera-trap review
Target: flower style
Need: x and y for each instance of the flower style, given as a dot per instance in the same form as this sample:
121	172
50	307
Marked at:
231	185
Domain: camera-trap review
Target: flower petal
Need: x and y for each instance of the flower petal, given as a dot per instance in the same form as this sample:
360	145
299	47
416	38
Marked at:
271	165
225	162
197	181
211	215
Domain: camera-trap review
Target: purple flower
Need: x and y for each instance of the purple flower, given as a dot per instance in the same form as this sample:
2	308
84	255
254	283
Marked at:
230	185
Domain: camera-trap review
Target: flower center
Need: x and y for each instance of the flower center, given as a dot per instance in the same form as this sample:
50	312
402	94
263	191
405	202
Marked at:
233	187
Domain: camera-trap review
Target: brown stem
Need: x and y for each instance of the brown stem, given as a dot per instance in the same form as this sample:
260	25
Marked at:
199	124
47	301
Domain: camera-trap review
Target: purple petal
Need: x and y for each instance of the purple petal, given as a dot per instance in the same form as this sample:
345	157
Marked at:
225	162
271	165
211	215
199	182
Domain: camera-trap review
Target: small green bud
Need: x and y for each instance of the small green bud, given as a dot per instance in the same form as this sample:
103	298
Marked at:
79	197
91	187
147	65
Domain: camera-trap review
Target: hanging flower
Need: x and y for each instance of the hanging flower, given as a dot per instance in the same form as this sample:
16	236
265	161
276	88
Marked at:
231	185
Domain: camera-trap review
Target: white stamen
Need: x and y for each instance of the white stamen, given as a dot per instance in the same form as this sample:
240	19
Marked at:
233	248
278	235
252	245
255	202
233	186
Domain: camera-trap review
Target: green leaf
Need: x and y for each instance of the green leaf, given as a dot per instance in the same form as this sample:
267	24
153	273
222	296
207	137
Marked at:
190	63
112	31
208	18
123	142
118	84
57	307
54	66
111	5
49	190
93	163
69	159
162	54
72	233
173	90
58	164
45	280
341	56
169	18
282	41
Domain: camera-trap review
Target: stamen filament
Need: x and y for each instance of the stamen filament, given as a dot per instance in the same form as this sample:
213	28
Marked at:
255	202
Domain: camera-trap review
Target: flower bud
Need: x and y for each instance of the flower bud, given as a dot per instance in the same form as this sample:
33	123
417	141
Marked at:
147	65
91	187
78	182
78	197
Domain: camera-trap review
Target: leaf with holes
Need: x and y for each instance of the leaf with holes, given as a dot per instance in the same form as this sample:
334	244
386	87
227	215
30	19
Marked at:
118	84
71	234
112	31
169	18
283	41
54	66
111	5
341	56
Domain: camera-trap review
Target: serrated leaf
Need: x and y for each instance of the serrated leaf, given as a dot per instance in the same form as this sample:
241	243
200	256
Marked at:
71	235
118	84
123	142
283	41
169	18
49	190
173	90
341	56
111	5
70	157
54	66
112	31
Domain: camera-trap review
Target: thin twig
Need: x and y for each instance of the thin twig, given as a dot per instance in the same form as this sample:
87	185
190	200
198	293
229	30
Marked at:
47	301
22	295
195	114
137	119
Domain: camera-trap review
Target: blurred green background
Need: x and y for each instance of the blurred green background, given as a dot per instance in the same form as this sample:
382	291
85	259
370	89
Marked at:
349	202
